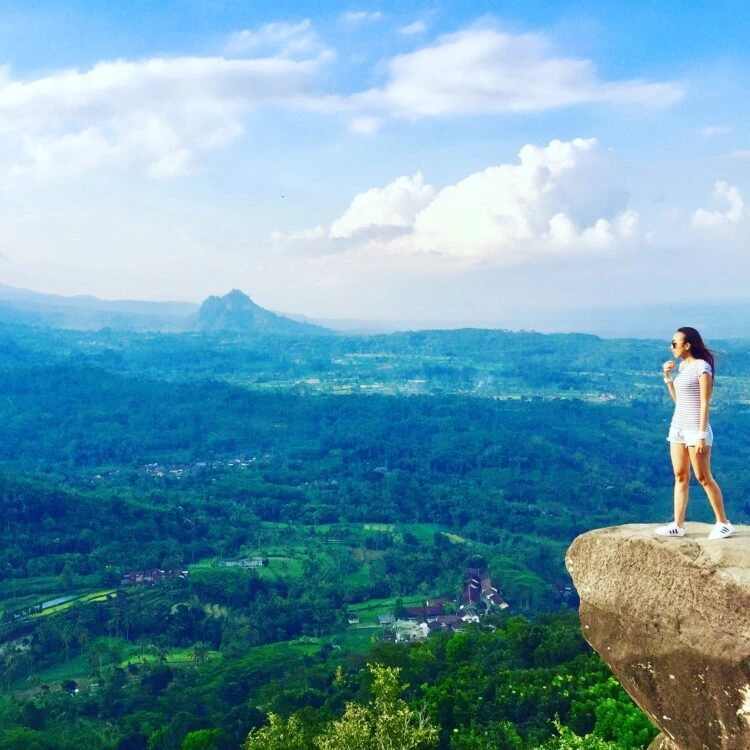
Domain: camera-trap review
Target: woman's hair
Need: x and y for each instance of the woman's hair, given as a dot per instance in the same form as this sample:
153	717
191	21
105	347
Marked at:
698	348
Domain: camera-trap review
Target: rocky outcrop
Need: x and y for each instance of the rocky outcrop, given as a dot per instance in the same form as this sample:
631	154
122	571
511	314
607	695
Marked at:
671	617
236	312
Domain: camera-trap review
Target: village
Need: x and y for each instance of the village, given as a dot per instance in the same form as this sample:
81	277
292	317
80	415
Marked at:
479	597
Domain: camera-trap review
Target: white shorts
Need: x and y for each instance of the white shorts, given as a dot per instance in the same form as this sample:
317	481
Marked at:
689	437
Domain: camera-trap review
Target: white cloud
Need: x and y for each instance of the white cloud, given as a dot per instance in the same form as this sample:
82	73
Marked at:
396	205
72	153
361	15
713	131
482	69
154	114
159	115
741	153
723	192
172	164
308	235
286	39
365	125
412	29
559	199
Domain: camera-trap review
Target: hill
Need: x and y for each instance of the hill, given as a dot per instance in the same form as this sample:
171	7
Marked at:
233	312
87	313
238	313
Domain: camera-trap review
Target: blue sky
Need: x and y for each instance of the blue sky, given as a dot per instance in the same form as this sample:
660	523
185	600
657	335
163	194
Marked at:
448	162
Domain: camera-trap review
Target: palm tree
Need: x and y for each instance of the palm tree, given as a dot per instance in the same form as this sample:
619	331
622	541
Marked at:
66	636
11	656
199	652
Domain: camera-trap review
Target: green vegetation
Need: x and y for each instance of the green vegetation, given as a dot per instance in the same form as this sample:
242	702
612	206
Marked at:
386	721
366	475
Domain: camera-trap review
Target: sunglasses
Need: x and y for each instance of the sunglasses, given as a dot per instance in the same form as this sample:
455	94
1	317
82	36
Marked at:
675	344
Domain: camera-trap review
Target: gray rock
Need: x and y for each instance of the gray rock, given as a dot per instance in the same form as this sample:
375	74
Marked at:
671	618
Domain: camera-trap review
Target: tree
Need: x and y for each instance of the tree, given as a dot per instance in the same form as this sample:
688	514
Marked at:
202	739
385	723
278	734
21	738
490	737
11	660
568	740
398	607
199	652
65	579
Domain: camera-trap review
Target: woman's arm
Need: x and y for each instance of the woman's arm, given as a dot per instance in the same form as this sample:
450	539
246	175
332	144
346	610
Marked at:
667	369
706	383
671	390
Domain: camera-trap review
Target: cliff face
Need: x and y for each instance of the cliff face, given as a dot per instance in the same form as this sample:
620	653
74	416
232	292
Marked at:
671	617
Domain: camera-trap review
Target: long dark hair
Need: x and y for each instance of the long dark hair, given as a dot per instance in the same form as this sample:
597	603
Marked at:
697	347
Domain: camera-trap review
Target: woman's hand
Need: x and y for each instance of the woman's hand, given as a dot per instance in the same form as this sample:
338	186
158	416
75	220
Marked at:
700	446
668	367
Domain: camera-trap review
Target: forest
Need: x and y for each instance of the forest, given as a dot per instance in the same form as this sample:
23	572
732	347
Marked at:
201	535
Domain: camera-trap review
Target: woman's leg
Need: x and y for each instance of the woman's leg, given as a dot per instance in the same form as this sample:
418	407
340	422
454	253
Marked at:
702	469
678	452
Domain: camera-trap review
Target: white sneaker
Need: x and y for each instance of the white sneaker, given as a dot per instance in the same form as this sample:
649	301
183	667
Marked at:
671	529
721	531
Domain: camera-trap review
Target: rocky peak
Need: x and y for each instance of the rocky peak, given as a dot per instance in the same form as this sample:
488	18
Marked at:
235	311
671	618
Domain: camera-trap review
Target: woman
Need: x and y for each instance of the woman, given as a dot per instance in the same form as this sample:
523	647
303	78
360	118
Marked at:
690	436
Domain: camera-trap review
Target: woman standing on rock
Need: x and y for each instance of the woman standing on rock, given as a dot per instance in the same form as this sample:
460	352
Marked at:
690	436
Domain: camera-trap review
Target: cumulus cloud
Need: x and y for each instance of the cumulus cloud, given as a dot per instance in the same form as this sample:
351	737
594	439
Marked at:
558	199
395	205
155	113
725	193
412	29
483	69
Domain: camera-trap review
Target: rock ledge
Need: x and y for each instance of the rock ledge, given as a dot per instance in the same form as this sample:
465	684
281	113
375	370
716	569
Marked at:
671	617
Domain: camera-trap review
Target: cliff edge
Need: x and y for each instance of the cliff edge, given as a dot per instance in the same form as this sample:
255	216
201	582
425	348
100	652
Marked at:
671	617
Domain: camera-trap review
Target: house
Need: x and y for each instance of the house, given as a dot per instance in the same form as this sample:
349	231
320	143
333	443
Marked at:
472	590
408	630
468	613
436	602
352	618
386	620
425	613
492	597
451	623
150	577
248	562
478	588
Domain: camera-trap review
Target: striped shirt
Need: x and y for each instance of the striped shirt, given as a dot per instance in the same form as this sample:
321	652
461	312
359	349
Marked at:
687	410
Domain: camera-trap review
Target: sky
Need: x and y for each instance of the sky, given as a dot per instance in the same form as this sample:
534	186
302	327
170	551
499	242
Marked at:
466	163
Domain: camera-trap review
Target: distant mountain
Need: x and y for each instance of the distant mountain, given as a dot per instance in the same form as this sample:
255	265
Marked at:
26	307
26	297
719	320
237	312
232	312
